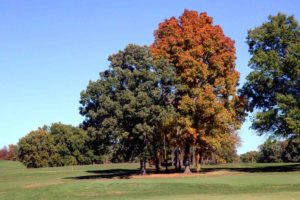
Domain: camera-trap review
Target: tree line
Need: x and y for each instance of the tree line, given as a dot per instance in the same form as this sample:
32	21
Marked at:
274	151
9	153
176	101
56	145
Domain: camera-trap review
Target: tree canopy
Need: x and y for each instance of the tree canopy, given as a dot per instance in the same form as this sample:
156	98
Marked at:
55	145
127	108
36	149
10	153
273	87
204	59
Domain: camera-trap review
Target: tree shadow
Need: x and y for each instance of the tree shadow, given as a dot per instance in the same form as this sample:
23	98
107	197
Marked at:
128	173
108	174
250	169
117	173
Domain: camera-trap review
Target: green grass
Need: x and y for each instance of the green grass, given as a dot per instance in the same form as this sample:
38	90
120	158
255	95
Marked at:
237	181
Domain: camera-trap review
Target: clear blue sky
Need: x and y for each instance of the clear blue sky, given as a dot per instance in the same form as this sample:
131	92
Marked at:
49	50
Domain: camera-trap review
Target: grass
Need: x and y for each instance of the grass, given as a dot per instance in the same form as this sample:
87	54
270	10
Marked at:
115	181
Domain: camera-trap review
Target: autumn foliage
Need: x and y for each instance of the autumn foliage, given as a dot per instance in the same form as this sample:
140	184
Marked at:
205	63
9	153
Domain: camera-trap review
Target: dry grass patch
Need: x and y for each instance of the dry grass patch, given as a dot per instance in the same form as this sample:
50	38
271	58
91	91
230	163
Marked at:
39	185
182	175
95	194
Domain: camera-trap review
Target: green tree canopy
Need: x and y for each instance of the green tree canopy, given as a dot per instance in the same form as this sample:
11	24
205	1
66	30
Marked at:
292	151
72	145
273	87
55	145
271	151
128	107
249	157
37	149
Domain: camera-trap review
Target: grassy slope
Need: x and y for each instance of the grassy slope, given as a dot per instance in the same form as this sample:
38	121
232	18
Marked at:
17	182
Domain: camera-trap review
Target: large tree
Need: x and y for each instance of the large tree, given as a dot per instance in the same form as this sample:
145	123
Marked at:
204	59
127	109
273	87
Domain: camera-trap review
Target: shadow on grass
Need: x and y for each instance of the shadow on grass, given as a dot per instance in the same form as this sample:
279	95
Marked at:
251	169
118	173
128	173
109	173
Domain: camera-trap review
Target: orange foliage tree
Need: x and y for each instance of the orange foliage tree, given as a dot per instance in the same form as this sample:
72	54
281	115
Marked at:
205	63
9	153
12	152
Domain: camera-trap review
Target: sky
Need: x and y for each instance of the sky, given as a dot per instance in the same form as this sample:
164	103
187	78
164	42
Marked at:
49	50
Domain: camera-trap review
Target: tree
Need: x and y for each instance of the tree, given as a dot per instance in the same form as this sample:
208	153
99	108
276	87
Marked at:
36	149
3	153
249	157
204	60
274	151
273	87
127	109
271	151
226	153
12	153
292	151
71	144
55	145
9	153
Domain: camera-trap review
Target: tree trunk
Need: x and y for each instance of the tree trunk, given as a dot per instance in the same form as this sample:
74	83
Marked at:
198	162
156	161
194	161
187	170
165	154
166	163
172	156
143	166
178	154
150	163
187	162
180	160
177	159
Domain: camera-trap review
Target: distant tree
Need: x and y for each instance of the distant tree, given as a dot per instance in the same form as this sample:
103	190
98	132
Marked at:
36	149
227	153
204	59
127	109
249	157
274	151
55	145
273	87
12	153
291	152
3	153
271	151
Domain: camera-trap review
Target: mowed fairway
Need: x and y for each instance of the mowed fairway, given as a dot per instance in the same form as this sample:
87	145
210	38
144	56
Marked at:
115	181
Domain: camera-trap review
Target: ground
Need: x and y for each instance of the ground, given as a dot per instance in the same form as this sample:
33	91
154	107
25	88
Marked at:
119	181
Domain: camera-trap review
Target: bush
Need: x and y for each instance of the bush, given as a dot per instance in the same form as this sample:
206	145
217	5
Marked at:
36	148
57	145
